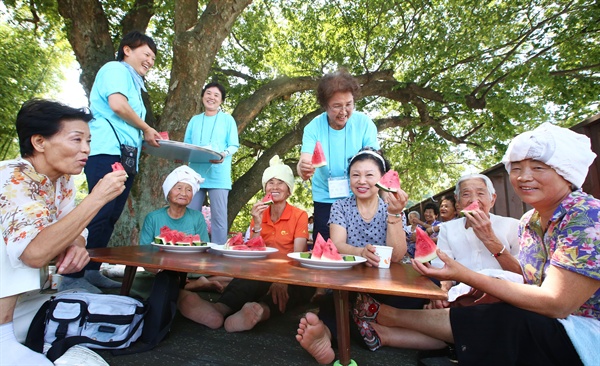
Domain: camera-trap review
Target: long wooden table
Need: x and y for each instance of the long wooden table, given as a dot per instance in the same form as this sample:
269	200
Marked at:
399	279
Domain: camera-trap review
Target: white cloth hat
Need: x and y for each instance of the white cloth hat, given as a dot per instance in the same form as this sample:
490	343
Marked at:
566	151
278	169
182	174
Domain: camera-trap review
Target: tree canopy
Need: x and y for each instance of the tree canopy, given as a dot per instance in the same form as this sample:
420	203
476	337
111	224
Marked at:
448	83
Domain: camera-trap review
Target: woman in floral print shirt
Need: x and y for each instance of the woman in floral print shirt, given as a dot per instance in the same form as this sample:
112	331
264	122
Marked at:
551	319
38	218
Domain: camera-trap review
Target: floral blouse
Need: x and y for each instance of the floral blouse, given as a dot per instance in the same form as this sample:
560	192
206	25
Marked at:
29	202
572	242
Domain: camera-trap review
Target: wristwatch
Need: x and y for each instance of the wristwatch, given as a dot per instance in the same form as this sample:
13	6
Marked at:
256	231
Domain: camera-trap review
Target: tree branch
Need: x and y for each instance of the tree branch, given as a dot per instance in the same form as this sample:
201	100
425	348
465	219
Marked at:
138	17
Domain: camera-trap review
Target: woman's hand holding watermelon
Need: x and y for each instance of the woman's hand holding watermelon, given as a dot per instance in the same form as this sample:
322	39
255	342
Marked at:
110	187
396	201
305	168
482	228
257	211
451	271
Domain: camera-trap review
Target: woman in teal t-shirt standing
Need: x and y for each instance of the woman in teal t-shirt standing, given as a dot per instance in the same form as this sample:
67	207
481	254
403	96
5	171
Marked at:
119	112
216	131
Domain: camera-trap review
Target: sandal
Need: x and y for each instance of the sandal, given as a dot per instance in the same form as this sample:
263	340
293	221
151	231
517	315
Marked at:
369	335
365	308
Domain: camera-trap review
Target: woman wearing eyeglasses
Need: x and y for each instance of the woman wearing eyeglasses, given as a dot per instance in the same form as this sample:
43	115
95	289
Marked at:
342	132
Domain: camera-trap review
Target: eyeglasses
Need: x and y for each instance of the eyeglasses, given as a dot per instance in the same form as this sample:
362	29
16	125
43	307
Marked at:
338	108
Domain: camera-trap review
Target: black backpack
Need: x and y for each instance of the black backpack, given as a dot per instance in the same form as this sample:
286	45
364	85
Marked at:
162	307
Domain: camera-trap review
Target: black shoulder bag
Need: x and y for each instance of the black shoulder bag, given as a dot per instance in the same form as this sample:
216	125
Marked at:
128	154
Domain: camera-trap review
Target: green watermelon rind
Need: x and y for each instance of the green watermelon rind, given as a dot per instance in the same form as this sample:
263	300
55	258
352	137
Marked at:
469	209
269	201
384	188
427	258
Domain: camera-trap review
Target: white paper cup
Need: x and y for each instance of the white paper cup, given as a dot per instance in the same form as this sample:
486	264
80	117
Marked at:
385	255
56	280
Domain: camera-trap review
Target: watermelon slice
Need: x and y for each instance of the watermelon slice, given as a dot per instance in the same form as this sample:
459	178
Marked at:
174	237
390	182
317	251
330	252
268	199
470	209
237	239
424	247
239	247
318	157
256	243
118	166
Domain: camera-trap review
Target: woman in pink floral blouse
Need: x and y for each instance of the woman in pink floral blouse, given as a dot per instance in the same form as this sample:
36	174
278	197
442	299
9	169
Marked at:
551	319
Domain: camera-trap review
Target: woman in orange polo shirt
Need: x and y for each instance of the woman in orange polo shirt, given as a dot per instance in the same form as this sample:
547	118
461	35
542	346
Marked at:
245	303
281	225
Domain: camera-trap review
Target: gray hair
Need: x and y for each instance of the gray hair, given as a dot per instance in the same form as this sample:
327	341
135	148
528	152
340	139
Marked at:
417	214
485	178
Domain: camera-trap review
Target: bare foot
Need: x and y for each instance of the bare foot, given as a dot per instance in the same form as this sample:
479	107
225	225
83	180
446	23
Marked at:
199	310
315	338
204	284
245	319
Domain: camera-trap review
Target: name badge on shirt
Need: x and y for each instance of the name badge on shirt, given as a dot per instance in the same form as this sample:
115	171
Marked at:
339	187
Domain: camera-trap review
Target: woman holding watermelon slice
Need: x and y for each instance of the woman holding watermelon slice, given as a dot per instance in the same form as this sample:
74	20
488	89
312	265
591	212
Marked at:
356	224
39	220
554	317
341	131
119	119
245	303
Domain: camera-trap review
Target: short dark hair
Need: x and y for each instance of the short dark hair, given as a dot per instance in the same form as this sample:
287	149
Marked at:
431	206
339	81
450	197
44	117
215	85
367	153
135	39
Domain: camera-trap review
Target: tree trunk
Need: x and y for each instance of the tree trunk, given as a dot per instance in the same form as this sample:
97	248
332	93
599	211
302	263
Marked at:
195	47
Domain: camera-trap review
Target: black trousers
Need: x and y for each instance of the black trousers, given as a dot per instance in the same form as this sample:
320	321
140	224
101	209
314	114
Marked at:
240	291
502	334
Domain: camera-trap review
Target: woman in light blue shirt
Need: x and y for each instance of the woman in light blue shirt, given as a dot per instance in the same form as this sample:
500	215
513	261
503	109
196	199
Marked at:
119	112
217	131
342	132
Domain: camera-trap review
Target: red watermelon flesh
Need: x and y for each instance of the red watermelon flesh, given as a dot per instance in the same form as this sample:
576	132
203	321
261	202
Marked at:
237	239
330	252
390	182
117	166
470	208
256	243
318	157
239	247
317	251
174	237
268	199
424	247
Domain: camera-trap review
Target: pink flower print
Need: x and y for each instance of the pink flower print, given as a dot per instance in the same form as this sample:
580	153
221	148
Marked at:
593	232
